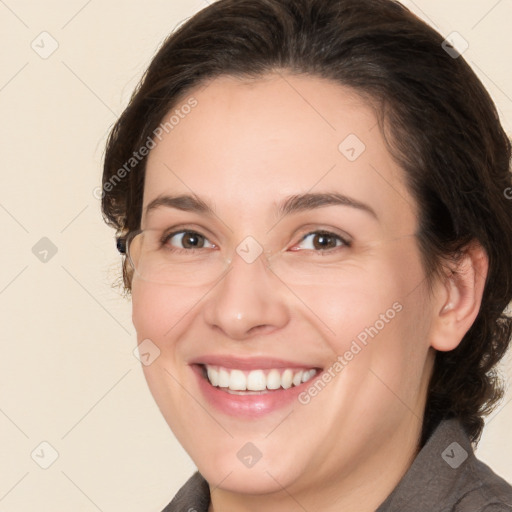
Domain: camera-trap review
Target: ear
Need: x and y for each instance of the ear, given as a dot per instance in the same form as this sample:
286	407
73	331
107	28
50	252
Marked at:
459	297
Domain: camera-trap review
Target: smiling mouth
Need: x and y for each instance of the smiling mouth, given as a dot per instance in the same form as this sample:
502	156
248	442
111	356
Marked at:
258	381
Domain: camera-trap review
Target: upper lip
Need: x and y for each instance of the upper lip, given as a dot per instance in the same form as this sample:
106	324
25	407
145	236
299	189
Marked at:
248	363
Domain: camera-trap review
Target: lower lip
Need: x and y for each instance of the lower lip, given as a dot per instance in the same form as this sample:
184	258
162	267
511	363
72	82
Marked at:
249	406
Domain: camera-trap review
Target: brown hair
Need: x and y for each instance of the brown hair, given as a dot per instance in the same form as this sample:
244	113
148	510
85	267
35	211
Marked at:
441	125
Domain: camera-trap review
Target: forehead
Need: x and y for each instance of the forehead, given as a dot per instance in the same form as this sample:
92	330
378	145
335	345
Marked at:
250	143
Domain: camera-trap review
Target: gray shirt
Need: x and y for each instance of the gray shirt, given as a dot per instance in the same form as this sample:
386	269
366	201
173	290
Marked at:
444	477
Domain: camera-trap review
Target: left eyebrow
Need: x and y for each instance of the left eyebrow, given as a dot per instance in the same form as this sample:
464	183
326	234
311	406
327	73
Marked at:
311	201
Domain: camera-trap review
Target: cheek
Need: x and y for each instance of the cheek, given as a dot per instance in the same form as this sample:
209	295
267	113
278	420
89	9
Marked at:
361	300
162	314
159	312
378	314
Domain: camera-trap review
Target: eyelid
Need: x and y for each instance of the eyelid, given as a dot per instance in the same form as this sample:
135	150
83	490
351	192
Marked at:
182	232
188	228
341	243
298	235
305	231
168	234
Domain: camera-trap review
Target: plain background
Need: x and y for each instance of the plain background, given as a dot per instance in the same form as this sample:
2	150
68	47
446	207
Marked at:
68	375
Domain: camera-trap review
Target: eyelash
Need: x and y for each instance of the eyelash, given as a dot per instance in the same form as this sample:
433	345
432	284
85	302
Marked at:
344	243
164	242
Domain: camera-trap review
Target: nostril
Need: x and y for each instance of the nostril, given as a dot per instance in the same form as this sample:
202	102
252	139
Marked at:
261	329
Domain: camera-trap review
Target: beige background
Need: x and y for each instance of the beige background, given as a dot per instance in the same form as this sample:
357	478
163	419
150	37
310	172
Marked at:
68	374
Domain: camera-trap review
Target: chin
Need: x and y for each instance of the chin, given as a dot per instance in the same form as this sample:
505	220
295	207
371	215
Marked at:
262	478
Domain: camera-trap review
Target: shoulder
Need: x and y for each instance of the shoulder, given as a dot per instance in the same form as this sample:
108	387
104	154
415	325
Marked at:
446	476
484	490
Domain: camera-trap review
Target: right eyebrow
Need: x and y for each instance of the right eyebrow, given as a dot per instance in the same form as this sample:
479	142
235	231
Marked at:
187	203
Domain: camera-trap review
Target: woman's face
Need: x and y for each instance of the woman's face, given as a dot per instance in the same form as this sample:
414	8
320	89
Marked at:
324	300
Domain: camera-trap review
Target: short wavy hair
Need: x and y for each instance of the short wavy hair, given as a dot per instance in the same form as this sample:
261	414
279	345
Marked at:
440	124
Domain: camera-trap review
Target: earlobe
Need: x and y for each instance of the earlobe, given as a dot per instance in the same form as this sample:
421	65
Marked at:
459	300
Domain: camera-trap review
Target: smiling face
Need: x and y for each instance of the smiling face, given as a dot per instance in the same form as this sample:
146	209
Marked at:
290	263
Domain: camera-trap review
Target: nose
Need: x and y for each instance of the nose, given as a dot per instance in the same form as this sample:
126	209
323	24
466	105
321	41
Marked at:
248	300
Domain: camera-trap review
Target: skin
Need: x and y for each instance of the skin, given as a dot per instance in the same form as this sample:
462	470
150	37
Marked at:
247	146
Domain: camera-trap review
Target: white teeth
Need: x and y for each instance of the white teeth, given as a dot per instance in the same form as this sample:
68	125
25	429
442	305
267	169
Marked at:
257	380
213	376
237	380
287	378
308	375
273	379
223	378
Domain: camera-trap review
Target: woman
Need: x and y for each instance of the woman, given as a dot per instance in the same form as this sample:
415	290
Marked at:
311	195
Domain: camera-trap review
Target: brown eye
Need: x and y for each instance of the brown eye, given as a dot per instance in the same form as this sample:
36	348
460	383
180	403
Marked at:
188	240
322	241
192	241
